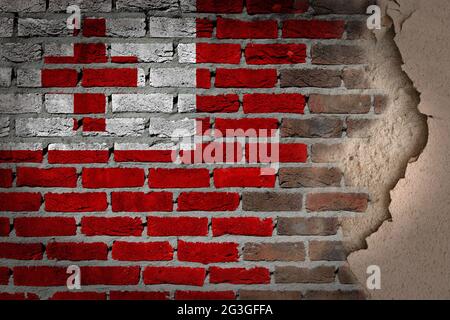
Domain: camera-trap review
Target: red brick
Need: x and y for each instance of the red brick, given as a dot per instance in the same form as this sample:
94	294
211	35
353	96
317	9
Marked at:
59	78
214	152
6	178
122	77
337	202
207	252
21	251
77	251
313	29
114	276
83	53
138	295
55	177
287	152
203	78
45	227
175	275
250	127
78	296
277	6
15	156
144	155
203	125
95	178
179	178
20	201
261	54
220	6
227	53
221	103
238	29
141	202
242	177
90	53
18	296
205	28
177	226
94	27
4	227
205	295
274	103
78	156
76	202
246	226
208	201
89	103
4	275
111	226
239	275
94	125
140	251
246	78
40	276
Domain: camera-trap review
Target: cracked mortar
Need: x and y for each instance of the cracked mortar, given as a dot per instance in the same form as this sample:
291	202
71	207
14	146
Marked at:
411	246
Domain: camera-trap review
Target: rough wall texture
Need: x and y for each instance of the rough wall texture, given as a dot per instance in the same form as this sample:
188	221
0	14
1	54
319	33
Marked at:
87	145
412	249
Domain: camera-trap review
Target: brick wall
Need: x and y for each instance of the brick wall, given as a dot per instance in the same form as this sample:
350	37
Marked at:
93	172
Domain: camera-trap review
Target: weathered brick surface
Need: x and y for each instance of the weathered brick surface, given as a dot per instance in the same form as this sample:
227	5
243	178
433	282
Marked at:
96	168
310	177
301	275
310	78
287	251
312	128
307	226
325	54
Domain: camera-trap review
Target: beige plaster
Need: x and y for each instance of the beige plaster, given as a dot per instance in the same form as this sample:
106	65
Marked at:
413	247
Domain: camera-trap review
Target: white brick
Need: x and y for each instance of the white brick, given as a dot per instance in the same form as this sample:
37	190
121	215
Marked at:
142	103
59	103
188	5
141	77
121	127
145	5
22	5
187	53
44	127
173	129
5	77
173	77
187	102
21	146
59	50
4	127
33	27
145	52
125	27
20	52
126	127
163	27
143	146
78	146
29	78
85	5
6	27
20	103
